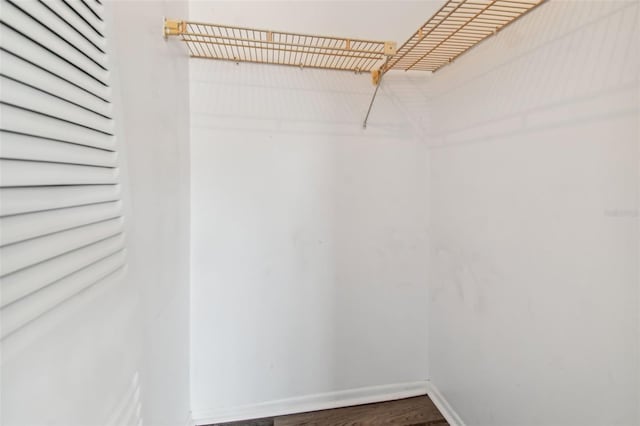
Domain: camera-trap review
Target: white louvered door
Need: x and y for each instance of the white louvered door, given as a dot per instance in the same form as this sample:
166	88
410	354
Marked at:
61	225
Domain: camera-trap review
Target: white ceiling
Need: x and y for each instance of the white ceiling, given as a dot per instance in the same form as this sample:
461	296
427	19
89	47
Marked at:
375	20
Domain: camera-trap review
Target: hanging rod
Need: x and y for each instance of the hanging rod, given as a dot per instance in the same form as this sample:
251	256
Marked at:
240	44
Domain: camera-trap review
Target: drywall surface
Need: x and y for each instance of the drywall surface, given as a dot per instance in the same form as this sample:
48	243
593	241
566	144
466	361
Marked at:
154	91
118	352
533	313
309	234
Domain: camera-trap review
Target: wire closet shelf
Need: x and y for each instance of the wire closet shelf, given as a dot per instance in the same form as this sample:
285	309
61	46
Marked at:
239	44
455	28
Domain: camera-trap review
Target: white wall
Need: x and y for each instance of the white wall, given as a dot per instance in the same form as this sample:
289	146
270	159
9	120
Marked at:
118	352
533	313
154	91
309	234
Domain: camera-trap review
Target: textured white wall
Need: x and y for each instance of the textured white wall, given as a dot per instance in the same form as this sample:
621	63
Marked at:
118	352
533	313
309	239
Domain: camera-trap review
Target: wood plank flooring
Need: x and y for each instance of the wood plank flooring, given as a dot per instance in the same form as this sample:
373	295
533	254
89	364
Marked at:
418	411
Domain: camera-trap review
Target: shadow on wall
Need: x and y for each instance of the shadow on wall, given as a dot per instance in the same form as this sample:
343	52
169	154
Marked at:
285	99
128	411
100	349
560	77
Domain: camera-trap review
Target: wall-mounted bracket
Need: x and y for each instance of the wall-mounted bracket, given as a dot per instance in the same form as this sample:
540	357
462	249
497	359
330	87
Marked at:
390	48
173	27
375	77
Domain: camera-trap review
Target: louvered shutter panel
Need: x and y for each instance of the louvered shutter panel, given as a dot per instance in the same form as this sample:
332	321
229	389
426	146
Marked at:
61	224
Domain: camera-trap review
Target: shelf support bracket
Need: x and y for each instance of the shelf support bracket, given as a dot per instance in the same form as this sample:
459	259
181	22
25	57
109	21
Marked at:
173	27
390	48
376	75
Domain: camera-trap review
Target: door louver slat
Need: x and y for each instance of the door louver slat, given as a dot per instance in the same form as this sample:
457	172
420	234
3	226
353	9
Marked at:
37	173
73	20
20	120
29	97
26	226
24	310
20	284
19	20
27	73
61	219
18	44
59	28
80	10
35	198
26	253
22	147
93	8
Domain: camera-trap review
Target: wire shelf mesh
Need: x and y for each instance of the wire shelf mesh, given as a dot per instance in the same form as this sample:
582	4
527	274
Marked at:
455	28
240	44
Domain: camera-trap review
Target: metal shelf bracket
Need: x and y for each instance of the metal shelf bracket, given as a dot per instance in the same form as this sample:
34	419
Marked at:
172	27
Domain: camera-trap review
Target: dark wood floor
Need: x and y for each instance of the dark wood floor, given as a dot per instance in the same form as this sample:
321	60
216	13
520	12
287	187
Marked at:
418	411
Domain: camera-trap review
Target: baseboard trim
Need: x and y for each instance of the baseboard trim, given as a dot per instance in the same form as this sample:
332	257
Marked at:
321	401
443	405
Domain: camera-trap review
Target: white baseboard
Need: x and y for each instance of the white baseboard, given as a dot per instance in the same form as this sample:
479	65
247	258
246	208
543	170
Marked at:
443	405
321	401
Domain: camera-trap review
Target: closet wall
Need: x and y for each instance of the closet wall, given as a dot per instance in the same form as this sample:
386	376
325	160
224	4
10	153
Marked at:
533	312
309	234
